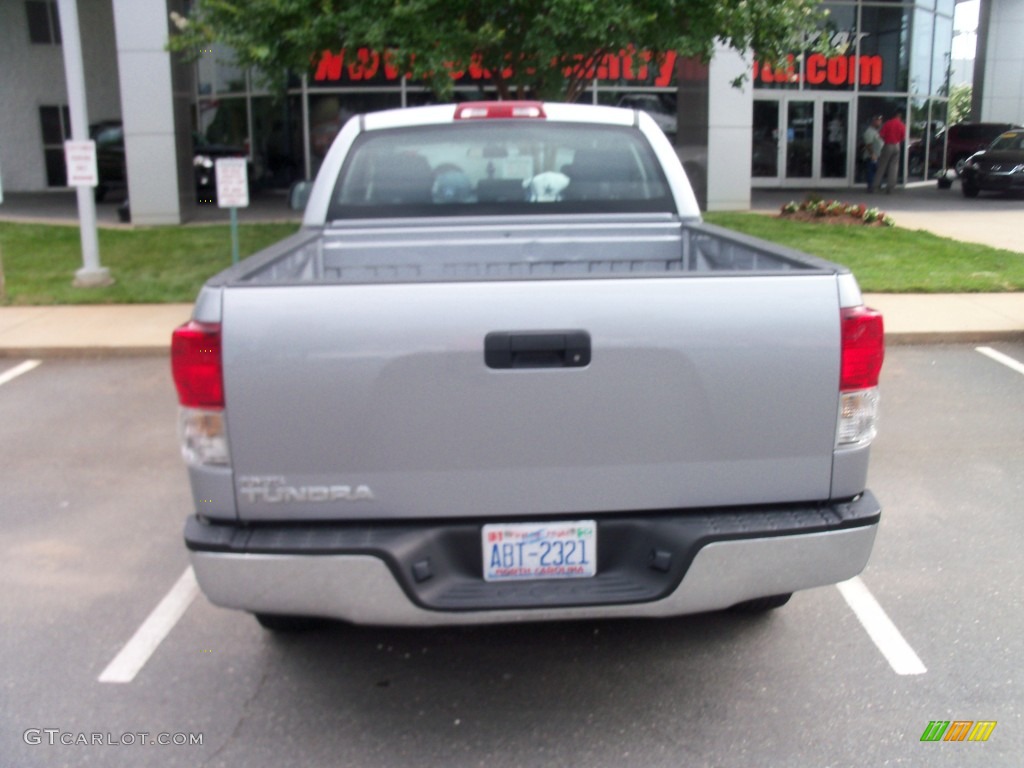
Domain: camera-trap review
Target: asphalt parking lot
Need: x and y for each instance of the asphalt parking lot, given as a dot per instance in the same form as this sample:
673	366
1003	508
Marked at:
93	497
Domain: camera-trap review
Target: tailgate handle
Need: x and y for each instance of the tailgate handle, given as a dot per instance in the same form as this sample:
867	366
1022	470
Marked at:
537	349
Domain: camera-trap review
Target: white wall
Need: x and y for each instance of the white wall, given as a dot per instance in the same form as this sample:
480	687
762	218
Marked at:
1003	95
730	127
32	75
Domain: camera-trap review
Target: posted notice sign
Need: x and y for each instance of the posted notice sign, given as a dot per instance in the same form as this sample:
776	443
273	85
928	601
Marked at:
80	160
232	182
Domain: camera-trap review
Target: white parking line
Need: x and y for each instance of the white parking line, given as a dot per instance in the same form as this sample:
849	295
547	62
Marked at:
999	357
154	629
17	370
880	629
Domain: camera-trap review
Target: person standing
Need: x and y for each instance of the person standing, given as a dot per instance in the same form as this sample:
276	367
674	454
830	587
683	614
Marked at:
893	132
872	149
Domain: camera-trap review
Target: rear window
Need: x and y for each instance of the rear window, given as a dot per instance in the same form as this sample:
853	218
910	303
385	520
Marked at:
489	167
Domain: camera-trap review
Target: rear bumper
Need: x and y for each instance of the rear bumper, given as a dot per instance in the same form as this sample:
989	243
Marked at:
657	564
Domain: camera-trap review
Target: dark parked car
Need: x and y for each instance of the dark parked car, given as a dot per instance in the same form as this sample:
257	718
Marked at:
110	160
1000	167
964	139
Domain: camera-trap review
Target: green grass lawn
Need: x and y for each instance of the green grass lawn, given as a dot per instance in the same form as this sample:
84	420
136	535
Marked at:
891	259
169	264
149	265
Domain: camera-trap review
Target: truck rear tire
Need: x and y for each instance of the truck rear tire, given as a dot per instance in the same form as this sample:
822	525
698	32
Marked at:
762	604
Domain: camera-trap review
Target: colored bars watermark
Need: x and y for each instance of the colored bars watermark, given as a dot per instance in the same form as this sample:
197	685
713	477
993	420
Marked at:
958	730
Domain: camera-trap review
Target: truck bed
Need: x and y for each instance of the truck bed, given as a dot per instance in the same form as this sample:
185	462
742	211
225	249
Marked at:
502	249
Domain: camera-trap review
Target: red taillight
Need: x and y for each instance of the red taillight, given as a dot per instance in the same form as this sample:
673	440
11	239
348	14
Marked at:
473	110
196	366
863	348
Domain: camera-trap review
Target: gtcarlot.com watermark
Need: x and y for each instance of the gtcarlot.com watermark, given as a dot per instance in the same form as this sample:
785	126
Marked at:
56	736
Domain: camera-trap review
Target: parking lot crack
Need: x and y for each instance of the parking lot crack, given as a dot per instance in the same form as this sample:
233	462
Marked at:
246	710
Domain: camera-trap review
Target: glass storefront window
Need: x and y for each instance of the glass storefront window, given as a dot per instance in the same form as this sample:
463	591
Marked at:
924	147
886	31
216	72
277	139
329	112
921	61
942	55
840	70
223	121
800	140
421	96
918	135
765	148
834	146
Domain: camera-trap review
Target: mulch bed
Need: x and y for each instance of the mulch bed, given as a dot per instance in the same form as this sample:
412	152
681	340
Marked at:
835	213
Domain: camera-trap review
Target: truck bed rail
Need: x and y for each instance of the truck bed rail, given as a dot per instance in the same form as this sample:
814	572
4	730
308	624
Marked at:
577	247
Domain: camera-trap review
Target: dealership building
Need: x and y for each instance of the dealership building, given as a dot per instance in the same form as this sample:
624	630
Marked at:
795	124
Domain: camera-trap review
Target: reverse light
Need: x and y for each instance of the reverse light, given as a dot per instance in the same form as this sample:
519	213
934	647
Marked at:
858	417
863	350
204	439
475	110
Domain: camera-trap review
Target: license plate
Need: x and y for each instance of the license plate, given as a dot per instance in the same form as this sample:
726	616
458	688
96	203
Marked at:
516	551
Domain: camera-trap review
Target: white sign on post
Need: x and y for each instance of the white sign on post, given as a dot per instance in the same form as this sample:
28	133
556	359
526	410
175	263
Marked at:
80	159
232	182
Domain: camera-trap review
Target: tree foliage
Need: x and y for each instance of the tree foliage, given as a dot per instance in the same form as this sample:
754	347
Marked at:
545	48
959	103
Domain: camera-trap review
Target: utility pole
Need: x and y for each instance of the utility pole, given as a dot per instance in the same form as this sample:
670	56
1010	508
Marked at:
91	273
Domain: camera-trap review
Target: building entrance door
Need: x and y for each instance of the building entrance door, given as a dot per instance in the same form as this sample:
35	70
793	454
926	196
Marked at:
802	140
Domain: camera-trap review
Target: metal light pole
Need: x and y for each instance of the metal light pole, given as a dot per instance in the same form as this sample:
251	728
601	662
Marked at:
91	273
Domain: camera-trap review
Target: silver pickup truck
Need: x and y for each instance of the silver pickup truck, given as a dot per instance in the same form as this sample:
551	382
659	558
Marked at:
504	372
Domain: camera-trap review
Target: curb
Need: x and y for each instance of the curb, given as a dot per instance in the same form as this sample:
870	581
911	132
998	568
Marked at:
924	338
83	353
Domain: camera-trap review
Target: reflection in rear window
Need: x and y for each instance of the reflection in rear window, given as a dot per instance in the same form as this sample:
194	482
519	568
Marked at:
490	167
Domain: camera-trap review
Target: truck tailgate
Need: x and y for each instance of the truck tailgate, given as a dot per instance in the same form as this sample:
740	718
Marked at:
375	401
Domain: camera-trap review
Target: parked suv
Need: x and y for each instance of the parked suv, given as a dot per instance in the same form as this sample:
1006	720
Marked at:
964	139
999	168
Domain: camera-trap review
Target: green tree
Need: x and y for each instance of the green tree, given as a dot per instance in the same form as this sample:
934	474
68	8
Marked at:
544	48
959	103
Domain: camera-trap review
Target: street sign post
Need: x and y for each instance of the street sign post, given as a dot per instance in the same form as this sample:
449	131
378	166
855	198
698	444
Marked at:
92	274
232	192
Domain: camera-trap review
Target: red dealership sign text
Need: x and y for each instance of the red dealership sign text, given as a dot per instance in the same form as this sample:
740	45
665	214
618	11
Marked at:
822	70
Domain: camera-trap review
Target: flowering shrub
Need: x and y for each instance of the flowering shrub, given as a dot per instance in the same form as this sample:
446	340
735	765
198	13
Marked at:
835	209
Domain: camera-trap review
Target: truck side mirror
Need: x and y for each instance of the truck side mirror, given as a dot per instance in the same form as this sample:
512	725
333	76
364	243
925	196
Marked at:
298	195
